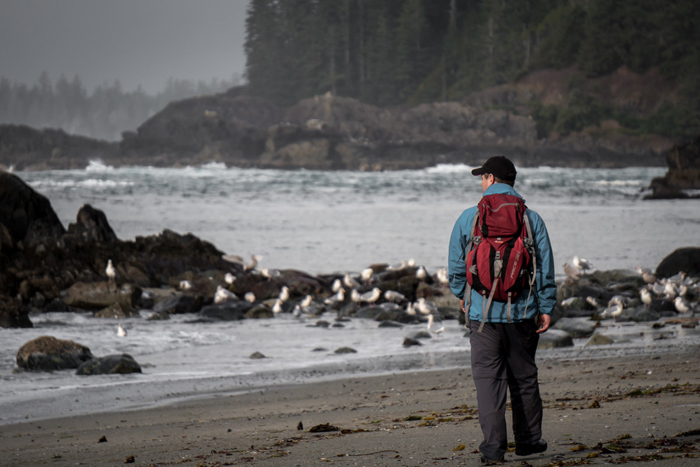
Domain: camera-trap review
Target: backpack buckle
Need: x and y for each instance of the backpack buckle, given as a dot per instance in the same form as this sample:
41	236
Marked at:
477	240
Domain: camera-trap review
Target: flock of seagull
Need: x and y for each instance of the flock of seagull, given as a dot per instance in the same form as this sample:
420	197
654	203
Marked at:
681	290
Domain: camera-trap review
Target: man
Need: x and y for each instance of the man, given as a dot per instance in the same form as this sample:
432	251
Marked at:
503	353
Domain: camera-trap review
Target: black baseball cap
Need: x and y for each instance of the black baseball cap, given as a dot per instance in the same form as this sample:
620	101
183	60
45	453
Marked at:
499	166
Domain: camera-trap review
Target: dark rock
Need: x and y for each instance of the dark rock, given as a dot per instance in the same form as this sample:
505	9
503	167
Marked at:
555	338
390	315
116	310
369	312
26	217
685	260
267	289
229	311
322	324
599	339
343	350
92	226
56	305
390	324
256	356
118	364
159	316
259	311
13	314
408	342
46	353
683	172
576	327
644	314
421	335
179	303
98	295
203	283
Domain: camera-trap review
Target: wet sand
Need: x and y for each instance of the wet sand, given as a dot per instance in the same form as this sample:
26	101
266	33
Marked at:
622	409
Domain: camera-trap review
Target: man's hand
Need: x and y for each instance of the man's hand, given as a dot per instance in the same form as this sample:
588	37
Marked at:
461	304
543	323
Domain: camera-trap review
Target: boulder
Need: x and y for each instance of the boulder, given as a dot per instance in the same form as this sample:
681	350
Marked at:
683	172
178	303
599	339
118	364
13	314
576	327
92	226
46	353
116	310
685	260
99	295
409	341
555	338
26	217
229	311
259	311
644	314
342	350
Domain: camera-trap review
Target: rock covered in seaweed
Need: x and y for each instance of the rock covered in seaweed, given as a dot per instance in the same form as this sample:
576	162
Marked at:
46	353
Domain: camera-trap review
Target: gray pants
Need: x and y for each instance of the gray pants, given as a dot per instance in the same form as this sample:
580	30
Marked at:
503	357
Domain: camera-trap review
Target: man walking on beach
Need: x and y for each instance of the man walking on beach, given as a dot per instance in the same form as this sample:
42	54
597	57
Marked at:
504	333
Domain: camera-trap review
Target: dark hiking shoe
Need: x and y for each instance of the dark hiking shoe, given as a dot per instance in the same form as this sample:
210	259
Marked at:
486	461
534	448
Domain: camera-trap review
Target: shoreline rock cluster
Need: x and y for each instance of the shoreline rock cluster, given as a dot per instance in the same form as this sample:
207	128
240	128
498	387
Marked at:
683	173
48	268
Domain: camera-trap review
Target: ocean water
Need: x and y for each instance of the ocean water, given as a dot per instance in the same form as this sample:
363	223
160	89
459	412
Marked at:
320	222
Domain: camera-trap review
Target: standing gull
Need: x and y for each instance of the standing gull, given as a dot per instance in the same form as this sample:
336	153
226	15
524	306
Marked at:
284	294
582	265
121	332
394	296
372	296
426	307
350	283
337	284
229	278
438	331
421	273
366	275
337	298
253	263
110	271
223	295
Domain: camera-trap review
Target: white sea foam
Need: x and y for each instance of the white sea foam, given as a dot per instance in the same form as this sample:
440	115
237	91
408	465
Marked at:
98	166
448	169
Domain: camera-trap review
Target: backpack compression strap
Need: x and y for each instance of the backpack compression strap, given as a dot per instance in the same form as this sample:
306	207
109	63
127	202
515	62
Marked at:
468	292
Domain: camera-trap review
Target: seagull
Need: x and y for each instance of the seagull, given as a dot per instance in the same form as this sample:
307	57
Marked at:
612	311
646	274
337	298
336	285
121	332
350	283
426	307
682	305
645	295
410	310
571	272
411	262
249	297
658	288
284	294
617	300
355	296
670	290
592	301
442	276
366	274
185	284
277	307
394	296
437	332
307	301
582	264
372	296
223	295
270	273
398	267
110	271
297	311
253	263
421	273
229	278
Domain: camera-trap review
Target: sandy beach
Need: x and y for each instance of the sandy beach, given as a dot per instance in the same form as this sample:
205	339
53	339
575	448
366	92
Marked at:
637	409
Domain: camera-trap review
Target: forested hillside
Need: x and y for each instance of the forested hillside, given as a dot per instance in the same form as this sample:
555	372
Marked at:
406	52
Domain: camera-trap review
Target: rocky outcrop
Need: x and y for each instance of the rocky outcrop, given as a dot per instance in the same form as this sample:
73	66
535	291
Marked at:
13	313
26	148
683	173
46	353
26	217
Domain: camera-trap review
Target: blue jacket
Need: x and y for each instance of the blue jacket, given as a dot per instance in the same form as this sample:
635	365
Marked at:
543	296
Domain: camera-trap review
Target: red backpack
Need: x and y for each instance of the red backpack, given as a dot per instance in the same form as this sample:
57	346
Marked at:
500	255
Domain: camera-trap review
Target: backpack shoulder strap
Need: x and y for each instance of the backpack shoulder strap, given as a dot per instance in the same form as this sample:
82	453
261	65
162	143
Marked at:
468	291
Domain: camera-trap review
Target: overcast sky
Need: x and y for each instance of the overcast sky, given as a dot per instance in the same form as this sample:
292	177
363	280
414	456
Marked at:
139	42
